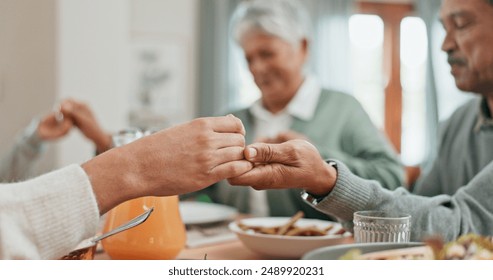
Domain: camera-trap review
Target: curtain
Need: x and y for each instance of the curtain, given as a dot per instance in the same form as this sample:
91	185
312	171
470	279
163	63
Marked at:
220	58
215	86
428	11
330	53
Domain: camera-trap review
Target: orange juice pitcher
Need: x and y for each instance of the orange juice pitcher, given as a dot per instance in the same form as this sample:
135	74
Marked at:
162	236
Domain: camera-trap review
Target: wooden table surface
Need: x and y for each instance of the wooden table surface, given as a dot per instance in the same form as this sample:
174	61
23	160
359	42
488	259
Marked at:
230	250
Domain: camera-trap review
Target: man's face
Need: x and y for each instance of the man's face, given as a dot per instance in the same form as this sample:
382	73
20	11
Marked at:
469	43
275	64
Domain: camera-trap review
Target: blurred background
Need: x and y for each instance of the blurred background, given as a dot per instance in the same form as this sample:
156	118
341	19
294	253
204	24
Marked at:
157	63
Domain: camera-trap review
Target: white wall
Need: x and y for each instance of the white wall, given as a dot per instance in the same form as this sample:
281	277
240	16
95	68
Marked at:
175	22
92	40
54	49
95	41
27	66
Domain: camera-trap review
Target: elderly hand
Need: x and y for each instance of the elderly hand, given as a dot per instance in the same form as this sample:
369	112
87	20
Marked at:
283	137
84	119
292	164
49	128
177	160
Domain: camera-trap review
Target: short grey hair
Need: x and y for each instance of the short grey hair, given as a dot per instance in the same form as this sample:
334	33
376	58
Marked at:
286	19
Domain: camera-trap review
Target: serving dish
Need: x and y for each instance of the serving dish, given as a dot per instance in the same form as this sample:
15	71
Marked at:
336	252
287	247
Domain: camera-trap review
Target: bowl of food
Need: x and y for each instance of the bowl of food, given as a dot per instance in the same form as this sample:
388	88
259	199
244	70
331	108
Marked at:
288	237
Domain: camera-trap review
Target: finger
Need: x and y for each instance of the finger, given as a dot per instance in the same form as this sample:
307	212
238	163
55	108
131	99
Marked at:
269	153
228	124
231	169
260	175
66	125
228	154
223	140
67	108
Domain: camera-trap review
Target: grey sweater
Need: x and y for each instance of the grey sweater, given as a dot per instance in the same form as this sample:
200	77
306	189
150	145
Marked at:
469	210
466	147
17	163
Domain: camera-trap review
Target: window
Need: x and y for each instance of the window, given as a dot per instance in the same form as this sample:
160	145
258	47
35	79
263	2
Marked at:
366	37
414	46
404	59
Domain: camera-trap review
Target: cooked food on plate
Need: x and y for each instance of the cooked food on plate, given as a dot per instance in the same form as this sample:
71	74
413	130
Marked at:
291	229
466	247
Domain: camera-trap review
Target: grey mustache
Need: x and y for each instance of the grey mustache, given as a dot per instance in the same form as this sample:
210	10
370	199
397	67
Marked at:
454	60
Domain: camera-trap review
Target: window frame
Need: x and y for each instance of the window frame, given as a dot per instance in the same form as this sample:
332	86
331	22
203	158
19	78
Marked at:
392	15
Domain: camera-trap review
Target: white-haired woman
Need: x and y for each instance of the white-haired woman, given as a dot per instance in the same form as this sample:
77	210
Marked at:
275	38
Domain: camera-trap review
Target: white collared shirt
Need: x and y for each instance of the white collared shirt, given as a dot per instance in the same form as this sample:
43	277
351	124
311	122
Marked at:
266	124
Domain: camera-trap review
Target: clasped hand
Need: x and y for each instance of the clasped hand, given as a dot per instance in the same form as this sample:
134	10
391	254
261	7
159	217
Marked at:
291	164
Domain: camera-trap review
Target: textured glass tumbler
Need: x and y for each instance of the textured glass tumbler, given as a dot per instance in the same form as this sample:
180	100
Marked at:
380	226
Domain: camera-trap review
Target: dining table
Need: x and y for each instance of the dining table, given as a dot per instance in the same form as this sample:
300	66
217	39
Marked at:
231	249
228	250
211	241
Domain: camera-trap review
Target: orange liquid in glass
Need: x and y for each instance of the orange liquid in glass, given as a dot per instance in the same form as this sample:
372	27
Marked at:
161	236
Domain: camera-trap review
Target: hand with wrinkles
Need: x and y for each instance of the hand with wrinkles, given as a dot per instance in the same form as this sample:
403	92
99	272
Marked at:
292	164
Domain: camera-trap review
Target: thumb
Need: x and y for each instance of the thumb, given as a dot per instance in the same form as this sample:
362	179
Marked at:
268	153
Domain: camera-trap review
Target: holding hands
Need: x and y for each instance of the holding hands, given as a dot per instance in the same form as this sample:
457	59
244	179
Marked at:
181	159
292	164
71	113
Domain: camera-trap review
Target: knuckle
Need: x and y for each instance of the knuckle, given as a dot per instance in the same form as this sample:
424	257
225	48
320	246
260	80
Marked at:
233	169
201	123
269	153
205	158
241	140
237	122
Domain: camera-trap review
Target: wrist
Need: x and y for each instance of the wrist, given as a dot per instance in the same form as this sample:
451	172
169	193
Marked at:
110	189
32	136
103	144
326	181
315	195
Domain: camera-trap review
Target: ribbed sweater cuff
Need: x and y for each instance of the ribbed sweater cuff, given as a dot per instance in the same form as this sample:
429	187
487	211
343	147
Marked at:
350	194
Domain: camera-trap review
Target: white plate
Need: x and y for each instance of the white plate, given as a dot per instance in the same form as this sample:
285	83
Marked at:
291	247
194	212
335	252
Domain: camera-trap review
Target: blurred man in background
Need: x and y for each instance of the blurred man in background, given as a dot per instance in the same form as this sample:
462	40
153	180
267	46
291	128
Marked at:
467	136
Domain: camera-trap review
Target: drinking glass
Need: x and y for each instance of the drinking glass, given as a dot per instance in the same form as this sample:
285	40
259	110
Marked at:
381	226
162	236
